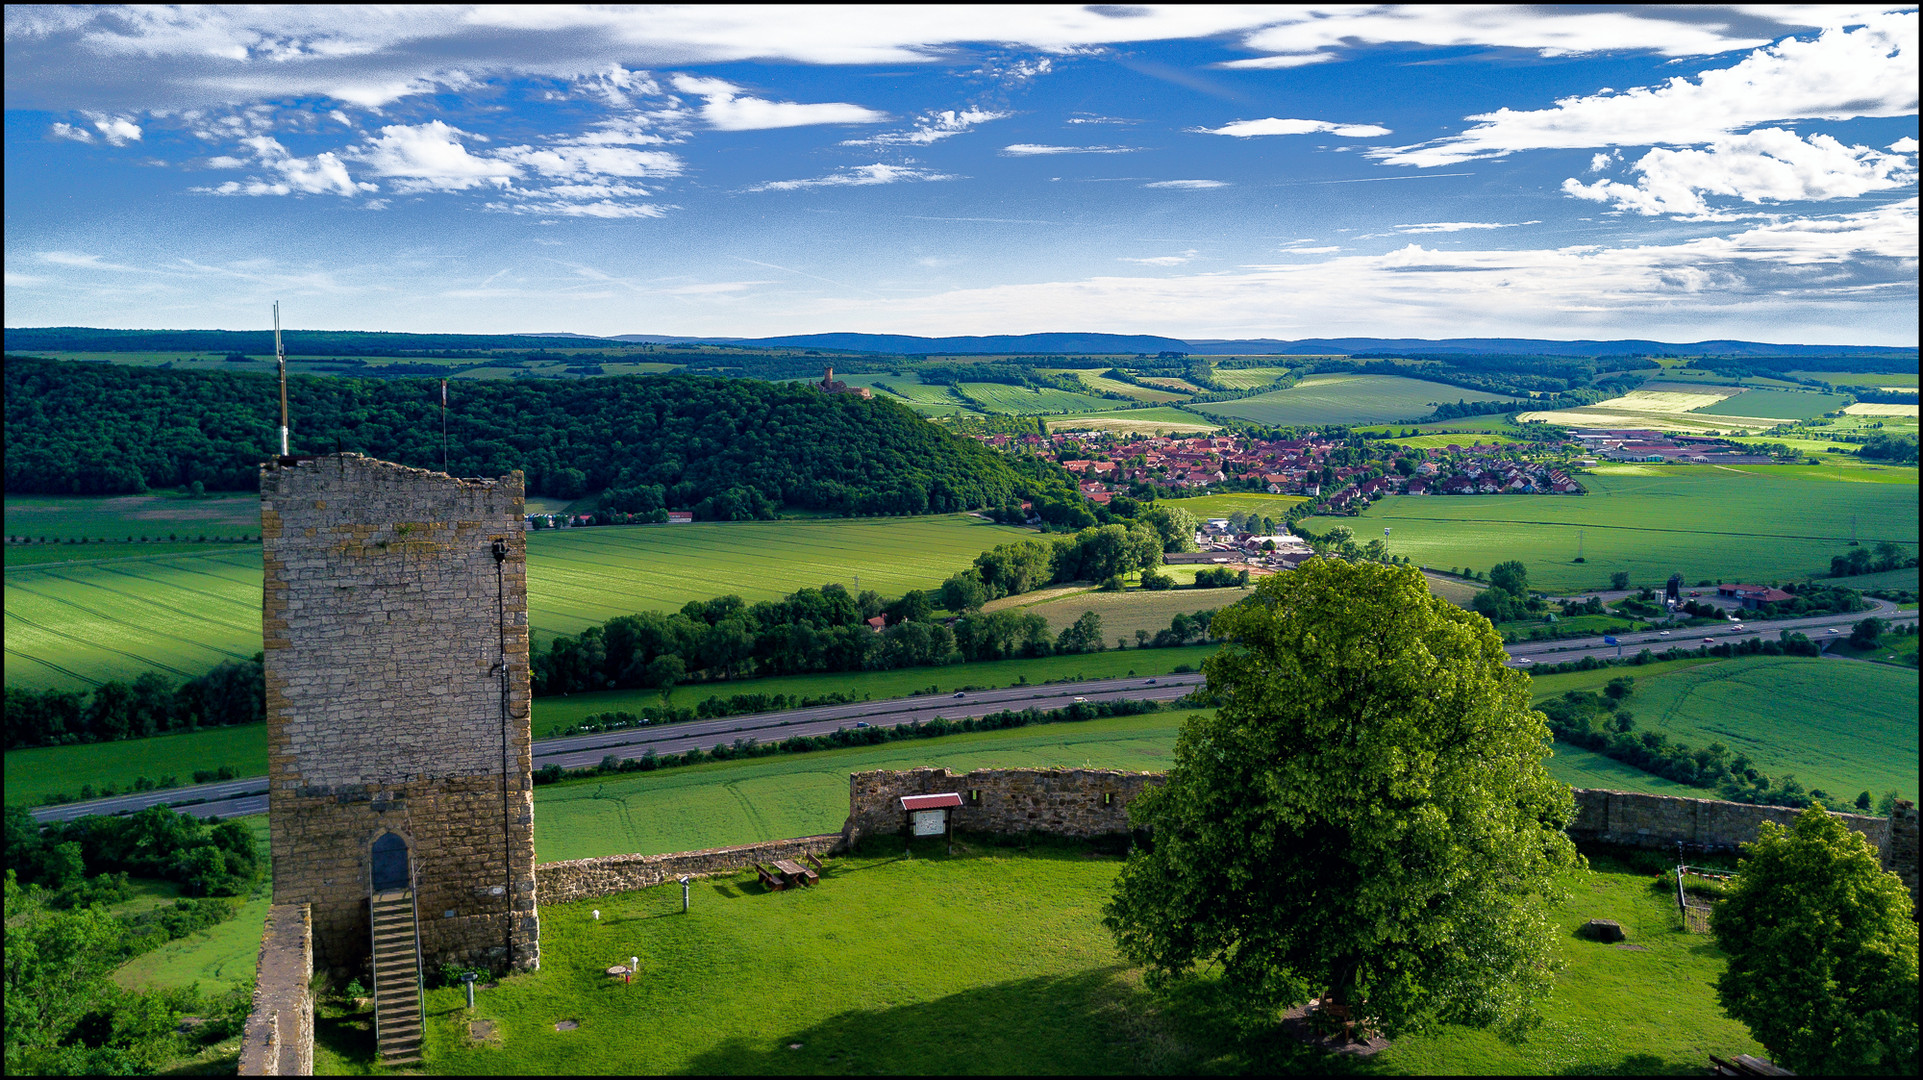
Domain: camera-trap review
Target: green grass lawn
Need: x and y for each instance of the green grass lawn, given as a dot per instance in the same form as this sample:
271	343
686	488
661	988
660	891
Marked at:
1834	724
742	802
994	961
74	624
1124	613
1764	523
218	958
32	775
1205	507
1348	399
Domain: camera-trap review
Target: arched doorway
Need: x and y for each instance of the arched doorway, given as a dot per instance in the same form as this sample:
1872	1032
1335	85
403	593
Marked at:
390	863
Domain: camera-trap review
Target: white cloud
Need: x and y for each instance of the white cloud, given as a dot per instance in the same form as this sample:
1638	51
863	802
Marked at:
224	161
599	208
1766	165
1188	185
1243	129
1036	149
1166	260
1460	226
431	157
858	176
1599	162
932	127
68	131
322	174
114	130
1904	145
577	161
78	261
726	108
1868	70
1280	60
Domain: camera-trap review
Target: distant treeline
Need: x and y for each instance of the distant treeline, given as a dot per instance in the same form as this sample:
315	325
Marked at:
1778	367
727	448
232	693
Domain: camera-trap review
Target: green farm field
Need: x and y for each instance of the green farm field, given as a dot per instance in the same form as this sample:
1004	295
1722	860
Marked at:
1775	404
1156	420
903	966
1841	725
1096	380
1770	522
1124	613
1248	378
117	517
1348	399
1030	401
925	398
218	958
32	775
1205	507
72	625
1859	378
1492	427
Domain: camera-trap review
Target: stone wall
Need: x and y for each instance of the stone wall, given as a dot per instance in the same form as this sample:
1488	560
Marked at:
1899	852
580	879
1662	821
278	1039
397	701
1059	802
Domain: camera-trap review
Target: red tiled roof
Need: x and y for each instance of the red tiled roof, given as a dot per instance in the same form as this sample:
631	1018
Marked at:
930	802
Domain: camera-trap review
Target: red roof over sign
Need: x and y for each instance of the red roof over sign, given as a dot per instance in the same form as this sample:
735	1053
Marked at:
930	802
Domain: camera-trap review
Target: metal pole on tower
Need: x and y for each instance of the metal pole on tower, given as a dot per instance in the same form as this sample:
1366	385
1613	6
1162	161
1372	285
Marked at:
443	425
280	360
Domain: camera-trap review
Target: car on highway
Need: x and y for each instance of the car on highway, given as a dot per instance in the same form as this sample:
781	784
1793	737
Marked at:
959	693
1665	633
1611	641
1151	682
1524	660
1832	630
1710	640
1081	699
1735	628
861	723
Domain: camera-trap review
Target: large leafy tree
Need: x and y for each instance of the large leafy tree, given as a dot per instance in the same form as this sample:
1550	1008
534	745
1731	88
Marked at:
1822	951
1366	817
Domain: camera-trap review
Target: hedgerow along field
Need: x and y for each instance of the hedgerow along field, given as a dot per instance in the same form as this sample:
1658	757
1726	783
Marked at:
73	625
1097	379
994	960
1733	523
1349	399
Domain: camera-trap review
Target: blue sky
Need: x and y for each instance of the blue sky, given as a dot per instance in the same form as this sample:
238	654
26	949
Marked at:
1672	173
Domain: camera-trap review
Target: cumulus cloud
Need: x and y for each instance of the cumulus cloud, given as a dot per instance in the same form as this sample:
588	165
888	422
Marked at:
68	131
858	176
726	108
1865	70
1188	185
114	130
431	157
1243	129
577	161
597	208
1038	149
322	174
1766	165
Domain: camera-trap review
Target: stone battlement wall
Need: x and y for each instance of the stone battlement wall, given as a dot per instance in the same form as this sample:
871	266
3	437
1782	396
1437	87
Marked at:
278	1039
396	655
1663	821
1057	802
580	879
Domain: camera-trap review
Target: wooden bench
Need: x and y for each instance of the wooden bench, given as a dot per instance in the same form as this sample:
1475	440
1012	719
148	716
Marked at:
795	872
768	879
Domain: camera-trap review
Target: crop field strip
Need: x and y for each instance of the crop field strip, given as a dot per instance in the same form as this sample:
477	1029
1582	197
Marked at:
1349	399
1164	418
117	517
1775	404
1248	378
1097	381
1885	380
1029	401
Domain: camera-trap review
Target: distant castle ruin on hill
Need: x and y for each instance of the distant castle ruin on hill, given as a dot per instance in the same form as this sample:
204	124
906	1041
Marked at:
830	385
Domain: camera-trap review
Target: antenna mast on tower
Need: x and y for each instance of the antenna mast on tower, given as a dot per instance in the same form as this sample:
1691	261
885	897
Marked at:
280	360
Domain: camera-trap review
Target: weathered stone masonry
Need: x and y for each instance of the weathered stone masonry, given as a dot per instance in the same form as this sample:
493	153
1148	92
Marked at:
278	1039
1058	802
386	617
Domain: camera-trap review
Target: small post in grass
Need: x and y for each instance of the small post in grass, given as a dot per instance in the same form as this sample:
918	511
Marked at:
684	894
467	980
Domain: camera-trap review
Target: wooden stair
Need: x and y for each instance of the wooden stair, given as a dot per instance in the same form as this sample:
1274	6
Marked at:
397	977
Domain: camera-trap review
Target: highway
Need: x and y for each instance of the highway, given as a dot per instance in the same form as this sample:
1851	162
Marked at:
235	798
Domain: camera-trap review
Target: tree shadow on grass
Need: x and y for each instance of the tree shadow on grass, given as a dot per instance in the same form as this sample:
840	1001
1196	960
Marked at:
1640	1065
1095	1021
347	1035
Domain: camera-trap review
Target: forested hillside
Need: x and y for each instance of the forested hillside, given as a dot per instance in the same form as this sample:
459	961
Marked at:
727	447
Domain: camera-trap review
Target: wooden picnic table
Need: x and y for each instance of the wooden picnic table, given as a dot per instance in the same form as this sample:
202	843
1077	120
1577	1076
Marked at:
793	872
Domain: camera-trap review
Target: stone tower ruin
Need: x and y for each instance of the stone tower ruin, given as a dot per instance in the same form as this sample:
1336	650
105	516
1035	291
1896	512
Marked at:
400	801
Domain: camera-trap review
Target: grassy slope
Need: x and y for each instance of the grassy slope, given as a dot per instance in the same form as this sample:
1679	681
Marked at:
1205	507
1776	404
117	517
1148	421
1123	613
1834	724
906	966
1754	522
1347	399
31	775
1027	401
218	958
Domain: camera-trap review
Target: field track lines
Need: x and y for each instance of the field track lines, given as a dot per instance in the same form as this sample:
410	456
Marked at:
109	648
748	807
51	666
137	599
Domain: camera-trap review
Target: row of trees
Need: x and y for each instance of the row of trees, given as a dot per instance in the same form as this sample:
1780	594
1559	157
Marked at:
204	858
728	448
152	704
1860	560
1101	553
